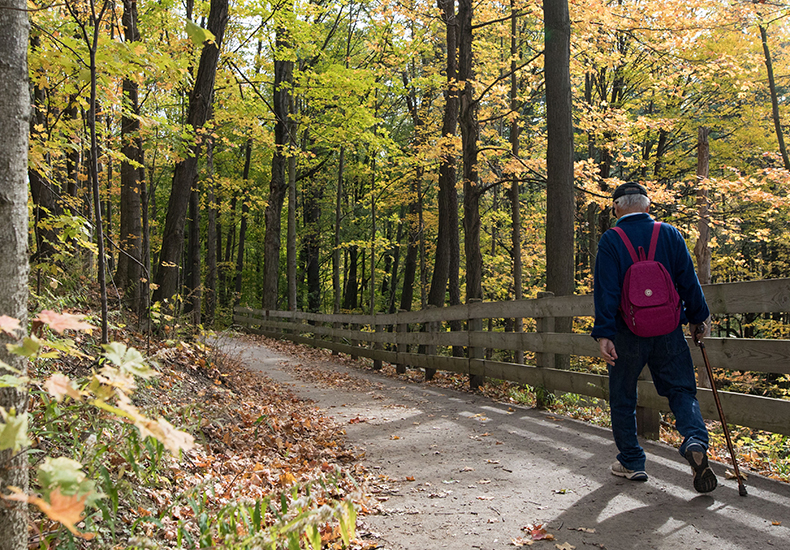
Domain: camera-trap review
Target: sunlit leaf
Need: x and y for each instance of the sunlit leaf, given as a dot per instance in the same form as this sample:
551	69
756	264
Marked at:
197	34
13	432
128	359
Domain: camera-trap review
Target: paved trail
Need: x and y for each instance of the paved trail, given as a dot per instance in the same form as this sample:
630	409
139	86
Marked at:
460	471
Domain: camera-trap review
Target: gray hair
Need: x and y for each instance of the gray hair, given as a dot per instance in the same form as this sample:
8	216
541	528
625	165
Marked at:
633	201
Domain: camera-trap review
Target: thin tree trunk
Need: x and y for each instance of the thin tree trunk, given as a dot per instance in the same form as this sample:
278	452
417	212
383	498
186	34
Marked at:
14	133
212	236
291	255
194	293
560	208
338	218
515	204
701	249
774	99
243	226
186	171
312	215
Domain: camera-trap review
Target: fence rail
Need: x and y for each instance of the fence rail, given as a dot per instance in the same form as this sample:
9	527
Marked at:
422	339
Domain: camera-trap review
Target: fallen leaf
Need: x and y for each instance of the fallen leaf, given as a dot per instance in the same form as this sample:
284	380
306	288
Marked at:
566	546
729	474
394	437
538	532
60	322
493	520
489	461
776	523
521	541
485	497
409	478
582	529
467	469
67	510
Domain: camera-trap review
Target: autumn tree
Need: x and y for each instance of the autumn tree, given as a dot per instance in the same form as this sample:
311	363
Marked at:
185	174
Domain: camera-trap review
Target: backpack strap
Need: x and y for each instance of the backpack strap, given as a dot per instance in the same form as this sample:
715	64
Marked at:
627	242
651	252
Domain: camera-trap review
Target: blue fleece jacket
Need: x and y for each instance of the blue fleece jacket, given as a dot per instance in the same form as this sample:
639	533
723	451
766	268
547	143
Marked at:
613	260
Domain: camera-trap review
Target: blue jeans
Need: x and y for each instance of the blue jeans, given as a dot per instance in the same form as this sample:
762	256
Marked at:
669	360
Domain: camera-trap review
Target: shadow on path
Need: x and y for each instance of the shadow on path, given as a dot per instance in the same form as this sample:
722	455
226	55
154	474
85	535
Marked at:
457	470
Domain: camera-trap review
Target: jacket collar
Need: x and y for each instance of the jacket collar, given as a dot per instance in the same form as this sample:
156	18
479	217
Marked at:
633	218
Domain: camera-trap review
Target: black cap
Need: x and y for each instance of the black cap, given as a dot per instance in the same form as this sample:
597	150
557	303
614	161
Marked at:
630	188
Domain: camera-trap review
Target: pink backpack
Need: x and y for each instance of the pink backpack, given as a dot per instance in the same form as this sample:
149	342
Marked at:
649	304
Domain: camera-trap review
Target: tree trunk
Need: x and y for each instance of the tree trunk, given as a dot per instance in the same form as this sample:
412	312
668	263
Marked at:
701	249
350	294
186	171
212	237
291	255
447	196
245	208
338	218
469	137
193	278
14	132
774	100
560	209
283	76
130	258
515	204
312	244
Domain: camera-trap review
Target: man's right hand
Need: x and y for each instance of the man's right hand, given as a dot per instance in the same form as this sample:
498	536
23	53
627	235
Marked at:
608	352
697	332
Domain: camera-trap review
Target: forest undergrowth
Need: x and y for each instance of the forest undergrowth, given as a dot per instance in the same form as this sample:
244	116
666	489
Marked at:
268	470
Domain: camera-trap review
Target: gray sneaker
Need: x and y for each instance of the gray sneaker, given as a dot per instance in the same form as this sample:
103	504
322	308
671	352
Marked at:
704	478
634	475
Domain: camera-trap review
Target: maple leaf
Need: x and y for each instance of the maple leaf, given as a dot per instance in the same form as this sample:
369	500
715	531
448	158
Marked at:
128	359
9	324
67	510
60	322
59	386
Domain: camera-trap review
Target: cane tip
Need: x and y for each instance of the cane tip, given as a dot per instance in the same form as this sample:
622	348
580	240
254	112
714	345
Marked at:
742	491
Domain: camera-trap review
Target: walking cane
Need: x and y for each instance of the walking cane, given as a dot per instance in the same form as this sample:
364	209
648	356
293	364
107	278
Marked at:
741	486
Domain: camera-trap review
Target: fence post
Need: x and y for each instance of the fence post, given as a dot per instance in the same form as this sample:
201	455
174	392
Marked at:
401	328
355	343
431	328
545	324
376	344
475	325
648	421
335	340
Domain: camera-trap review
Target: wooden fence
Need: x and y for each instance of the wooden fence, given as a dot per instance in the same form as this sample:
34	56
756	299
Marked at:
423	339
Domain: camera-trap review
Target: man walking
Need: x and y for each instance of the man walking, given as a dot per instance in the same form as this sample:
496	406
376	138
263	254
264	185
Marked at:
667	355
